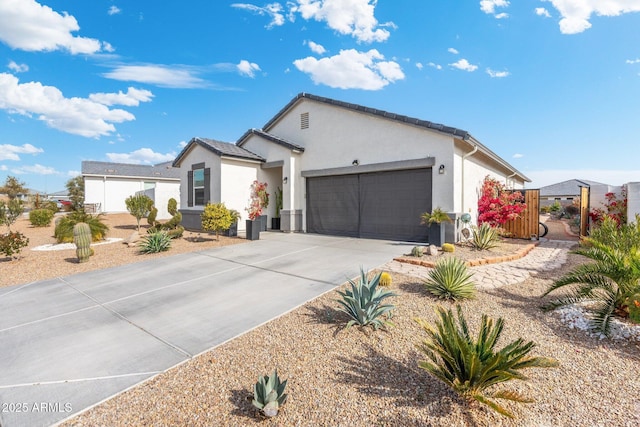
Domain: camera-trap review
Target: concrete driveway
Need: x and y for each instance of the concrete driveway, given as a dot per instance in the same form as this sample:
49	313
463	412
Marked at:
72	342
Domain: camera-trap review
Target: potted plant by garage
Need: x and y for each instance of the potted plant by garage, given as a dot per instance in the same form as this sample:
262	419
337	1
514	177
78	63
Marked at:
257	201
275	222
435	220
233	230
260	190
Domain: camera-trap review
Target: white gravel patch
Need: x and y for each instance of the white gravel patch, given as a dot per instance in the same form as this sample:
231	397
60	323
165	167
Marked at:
577	317
67	246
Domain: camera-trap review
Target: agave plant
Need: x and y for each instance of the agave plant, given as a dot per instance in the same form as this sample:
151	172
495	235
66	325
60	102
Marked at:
606	283
484	237
364	302
269	395
152	243
472	365
451	279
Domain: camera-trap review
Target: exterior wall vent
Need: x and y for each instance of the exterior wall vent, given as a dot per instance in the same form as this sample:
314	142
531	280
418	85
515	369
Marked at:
304	121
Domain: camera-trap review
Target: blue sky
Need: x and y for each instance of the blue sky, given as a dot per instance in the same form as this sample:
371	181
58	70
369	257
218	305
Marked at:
552	86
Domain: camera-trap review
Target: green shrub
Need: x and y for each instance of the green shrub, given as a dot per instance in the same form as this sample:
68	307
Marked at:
363	303
555	207
269	395
471	365
451	279
484	237
216	217
41	217
608	281
139	206
64	226
10	212
155	242
12	243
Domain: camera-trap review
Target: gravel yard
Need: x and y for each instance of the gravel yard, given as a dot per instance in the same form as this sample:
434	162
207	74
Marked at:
356	377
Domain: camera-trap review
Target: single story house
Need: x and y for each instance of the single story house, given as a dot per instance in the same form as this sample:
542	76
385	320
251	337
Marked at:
344	169
107	185
565	192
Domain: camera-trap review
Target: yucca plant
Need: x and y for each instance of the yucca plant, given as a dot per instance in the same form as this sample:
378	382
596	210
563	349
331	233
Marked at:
364	302
472	365
451	279
269	395
155	242
609	281
484	237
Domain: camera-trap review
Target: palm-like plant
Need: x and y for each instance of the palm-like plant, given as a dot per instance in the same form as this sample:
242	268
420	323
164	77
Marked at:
484	237
364	302
608	282
470	366
64	227
451	279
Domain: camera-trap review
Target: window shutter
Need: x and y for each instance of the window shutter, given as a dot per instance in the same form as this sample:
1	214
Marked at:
190	188
207	185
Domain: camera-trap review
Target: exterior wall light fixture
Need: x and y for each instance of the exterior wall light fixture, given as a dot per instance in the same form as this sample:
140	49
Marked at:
355	162
441	170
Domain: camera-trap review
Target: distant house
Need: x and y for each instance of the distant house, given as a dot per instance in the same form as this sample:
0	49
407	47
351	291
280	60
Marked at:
565	192
107	185
344	169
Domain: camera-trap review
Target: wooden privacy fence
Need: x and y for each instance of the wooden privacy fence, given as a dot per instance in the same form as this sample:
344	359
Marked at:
526	225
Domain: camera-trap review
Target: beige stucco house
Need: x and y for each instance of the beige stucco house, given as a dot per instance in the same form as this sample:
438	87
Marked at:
344	169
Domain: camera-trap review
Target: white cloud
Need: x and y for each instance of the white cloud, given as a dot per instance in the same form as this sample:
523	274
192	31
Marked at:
541	11
497	74
79	116
434	65
35	170
11	152
464	65
576	13
452	50
351	69
73	174
30	26
182	144
114	10
273	10
3	168
501	15
489	7
18	68
352	17
633	61
132	98
247	68
316	48
419	65
518	156
141	156
160	75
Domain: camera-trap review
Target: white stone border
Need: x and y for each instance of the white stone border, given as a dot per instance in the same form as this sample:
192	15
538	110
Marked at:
68	246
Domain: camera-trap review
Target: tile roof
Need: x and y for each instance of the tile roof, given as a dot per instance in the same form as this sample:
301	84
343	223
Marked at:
570	187
220	148
269	137
159	171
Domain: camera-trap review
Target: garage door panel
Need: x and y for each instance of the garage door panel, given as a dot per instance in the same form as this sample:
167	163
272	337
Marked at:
391	204
380	205
332	205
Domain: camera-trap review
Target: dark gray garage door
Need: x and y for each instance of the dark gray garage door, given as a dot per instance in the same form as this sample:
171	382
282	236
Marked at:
379	205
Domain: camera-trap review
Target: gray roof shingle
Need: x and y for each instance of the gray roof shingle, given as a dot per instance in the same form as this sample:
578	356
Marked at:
159	171
570	187
269	137
220	148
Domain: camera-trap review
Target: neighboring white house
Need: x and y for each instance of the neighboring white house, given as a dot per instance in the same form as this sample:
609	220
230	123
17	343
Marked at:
344	169
107	185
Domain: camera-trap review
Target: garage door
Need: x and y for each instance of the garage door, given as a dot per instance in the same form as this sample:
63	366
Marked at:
379	205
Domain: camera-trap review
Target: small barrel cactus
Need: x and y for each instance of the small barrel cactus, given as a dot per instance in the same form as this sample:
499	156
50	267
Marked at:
417	251
448	247
82	239
385	279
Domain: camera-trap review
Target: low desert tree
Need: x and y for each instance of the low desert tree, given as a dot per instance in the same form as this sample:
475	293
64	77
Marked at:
216	217
10	212
13	187
75	188
139	206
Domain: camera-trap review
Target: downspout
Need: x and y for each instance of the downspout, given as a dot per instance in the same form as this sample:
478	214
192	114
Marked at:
462	186
510	176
